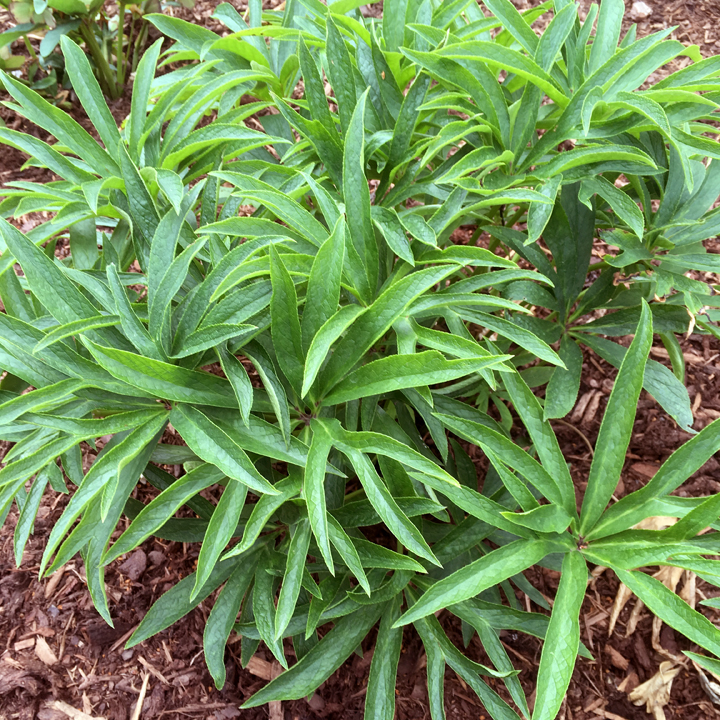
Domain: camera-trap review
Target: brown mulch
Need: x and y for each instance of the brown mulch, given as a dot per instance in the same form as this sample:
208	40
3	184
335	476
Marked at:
55	649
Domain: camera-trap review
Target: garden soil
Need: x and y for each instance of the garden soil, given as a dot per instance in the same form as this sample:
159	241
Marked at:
59	660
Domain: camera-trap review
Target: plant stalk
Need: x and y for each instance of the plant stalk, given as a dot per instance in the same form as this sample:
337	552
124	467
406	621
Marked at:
106	79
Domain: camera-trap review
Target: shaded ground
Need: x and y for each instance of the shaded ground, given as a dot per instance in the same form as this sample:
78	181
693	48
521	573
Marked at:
55	649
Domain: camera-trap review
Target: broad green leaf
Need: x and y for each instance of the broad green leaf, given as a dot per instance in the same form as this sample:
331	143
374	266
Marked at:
562	640
539	213
671	609
480	575
290	590
327	656
607	33
163	380
38	400
238	377
386	507
209	442
616	426
520	336
314	489
658	380
562	390
76	327
323	293
545	519
380	697
348	552
27	514
622	205
264	508
90	95
543	437
222	618
163	507
326	335
404	371
176	603
220	529
685	461
356	194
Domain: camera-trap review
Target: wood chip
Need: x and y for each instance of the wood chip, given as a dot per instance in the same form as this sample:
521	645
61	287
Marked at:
141	697
71	712
24	644
54	581
44	652
616	658
260	668
153	670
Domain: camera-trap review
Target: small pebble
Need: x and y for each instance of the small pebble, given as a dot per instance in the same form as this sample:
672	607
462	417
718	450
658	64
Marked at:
640	10
127	654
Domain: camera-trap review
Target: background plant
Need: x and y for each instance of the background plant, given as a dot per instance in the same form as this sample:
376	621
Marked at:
114	52
375	345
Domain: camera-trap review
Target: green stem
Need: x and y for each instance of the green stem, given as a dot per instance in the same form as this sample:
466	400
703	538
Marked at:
119	63
31	50
106	79
138	44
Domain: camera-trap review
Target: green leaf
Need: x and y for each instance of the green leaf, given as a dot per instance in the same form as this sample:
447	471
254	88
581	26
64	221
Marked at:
163	507
658	380
263	510
607	34
314	489
290	590
90	95
142	86
220	529
238	377
378	319
38	400
480	575
76	327
176	603
356	194
326	335
83	244
285	324
160	379
323	293
509	452
404	371
387	221
514	22
135	331
616	426
562	640
213	445
386	507
344	545
59	124
562	390
520	336
544	519
685	461
222	618
340	73
380	697
327	656
672	610
623	206
29	510
539	213
543	437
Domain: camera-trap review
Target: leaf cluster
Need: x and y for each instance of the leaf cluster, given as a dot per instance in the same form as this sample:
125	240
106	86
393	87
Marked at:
271	272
